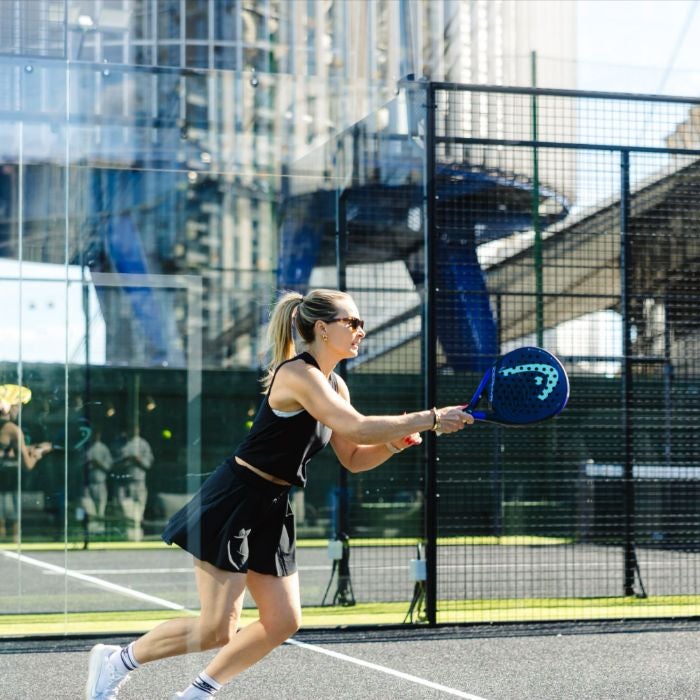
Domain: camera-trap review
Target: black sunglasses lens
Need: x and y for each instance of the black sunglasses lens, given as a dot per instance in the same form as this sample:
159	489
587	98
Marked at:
351	321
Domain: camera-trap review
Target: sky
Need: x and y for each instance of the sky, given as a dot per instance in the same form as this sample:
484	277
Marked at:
645	46
36	326
639	46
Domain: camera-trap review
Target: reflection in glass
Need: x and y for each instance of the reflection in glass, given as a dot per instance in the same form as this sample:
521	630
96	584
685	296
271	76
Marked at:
152	199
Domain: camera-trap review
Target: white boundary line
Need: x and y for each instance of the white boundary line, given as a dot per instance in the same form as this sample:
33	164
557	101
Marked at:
384	669
95	581
176	606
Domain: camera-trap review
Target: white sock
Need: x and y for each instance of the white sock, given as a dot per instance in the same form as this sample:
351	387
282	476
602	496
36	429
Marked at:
203	686
124	660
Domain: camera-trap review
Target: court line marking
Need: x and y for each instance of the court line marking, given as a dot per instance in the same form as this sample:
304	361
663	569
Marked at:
131	592
119	572
359	570
384	669
175	570
176	606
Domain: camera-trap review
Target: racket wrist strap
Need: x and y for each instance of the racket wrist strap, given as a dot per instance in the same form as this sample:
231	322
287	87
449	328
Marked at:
392	449
436	420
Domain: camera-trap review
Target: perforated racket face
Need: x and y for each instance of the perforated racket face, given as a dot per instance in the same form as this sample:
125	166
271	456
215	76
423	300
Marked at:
527	385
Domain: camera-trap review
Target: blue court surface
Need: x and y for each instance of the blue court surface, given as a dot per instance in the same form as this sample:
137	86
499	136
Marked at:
657	660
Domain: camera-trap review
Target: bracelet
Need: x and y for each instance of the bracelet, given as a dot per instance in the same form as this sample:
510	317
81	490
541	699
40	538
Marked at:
436	421
392	449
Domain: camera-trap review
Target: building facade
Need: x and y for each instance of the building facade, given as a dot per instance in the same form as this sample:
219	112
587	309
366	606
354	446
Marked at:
184	115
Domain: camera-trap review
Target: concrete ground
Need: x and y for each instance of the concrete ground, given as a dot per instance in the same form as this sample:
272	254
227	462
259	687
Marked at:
650	660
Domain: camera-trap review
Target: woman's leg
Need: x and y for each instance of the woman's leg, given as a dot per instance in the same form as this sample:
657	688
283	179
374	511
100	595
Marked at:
221	599
279	607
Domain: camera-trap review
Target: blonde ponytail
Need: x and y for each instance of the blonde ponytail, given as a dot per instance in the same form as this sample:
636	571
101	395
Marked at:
280	335
294	311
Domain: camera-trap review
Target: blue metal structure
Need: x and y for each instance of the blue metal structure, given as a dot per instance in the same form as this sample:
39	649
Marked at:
384	224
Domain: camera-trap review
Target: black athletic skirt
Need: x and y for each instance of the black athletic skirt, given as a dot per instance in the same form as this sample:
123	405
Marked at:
238	521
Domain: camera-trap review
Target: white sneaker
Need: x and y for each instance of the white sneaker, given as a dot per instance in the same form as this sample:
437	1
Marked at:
104	680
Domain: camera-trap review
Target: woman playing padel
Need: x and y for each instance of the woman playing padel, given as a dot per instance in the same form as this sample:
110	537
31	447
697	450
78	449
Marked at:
239	526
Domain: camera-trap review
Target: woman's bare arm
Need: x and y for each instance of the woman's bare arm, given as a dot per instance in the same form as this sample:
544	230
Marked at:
300	383
31	454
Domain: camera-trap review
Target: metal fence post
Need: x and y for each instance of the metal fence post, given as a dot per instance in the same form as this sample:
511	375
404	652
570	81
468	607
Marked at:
341	246
628	457
429	358
536	224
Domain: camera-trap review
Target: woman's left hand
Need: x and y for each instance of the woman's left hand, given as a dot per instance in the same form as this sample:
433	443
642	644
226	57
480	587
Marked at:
409	441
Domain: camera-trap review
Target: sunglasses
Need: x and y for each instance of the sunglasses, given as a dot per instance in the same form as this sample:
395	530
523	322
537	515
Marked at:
350	322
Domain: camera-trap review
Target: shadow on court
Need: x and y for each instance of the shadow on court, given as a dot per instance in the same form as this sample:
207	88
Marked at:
584	661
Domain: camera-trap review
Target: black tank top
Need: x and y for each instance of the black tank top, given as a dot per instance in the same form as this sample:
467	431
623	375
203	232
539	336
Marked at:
283	445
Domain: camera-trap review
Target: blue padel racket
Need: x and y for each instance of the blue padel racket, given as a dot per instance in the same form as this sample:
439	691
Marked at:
525	386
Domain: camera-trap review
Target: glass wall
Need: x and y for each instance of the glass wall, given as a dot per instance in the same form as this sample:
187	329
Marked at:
152	158
141	211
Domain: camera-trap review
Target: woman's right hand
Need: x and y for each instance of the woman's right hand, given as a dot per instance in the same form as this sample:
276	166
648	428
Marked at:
453	419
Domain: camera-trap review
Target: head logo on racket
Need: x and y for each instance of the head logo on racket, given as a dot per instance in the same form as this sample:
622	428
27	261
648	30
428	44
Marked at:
527	385
551	375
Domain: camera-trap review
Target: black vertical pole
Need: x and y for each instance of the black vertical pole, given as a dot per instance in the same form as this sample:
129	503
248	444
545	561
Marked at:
668	381
344	594
429	356
497	469
341	264
629	499
535	207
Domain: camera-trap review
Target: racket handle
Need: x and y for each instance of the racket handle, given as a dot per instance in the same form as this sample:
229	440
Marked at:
464	408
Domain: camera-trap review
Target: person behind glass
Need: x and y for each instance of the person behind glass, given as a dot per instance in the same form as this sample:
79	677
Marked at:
13	446
135	459
239	526
98	464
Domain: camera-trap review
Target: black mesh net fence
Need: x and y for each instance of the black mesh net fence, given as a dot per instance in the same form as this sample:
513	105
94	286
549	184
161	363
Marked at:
467	222
570	229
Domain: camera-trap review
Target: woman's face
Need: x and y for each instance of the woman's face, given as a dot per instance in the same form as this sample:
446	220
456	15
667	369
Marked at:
345	332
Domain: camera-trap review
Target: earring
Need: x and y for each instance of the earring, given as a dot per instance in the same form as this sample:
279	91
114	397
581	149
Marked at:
325	338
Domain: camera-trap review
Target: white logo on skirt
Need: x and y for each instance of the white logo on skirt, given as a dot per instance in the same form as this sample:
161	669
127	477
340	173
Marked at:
242	537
